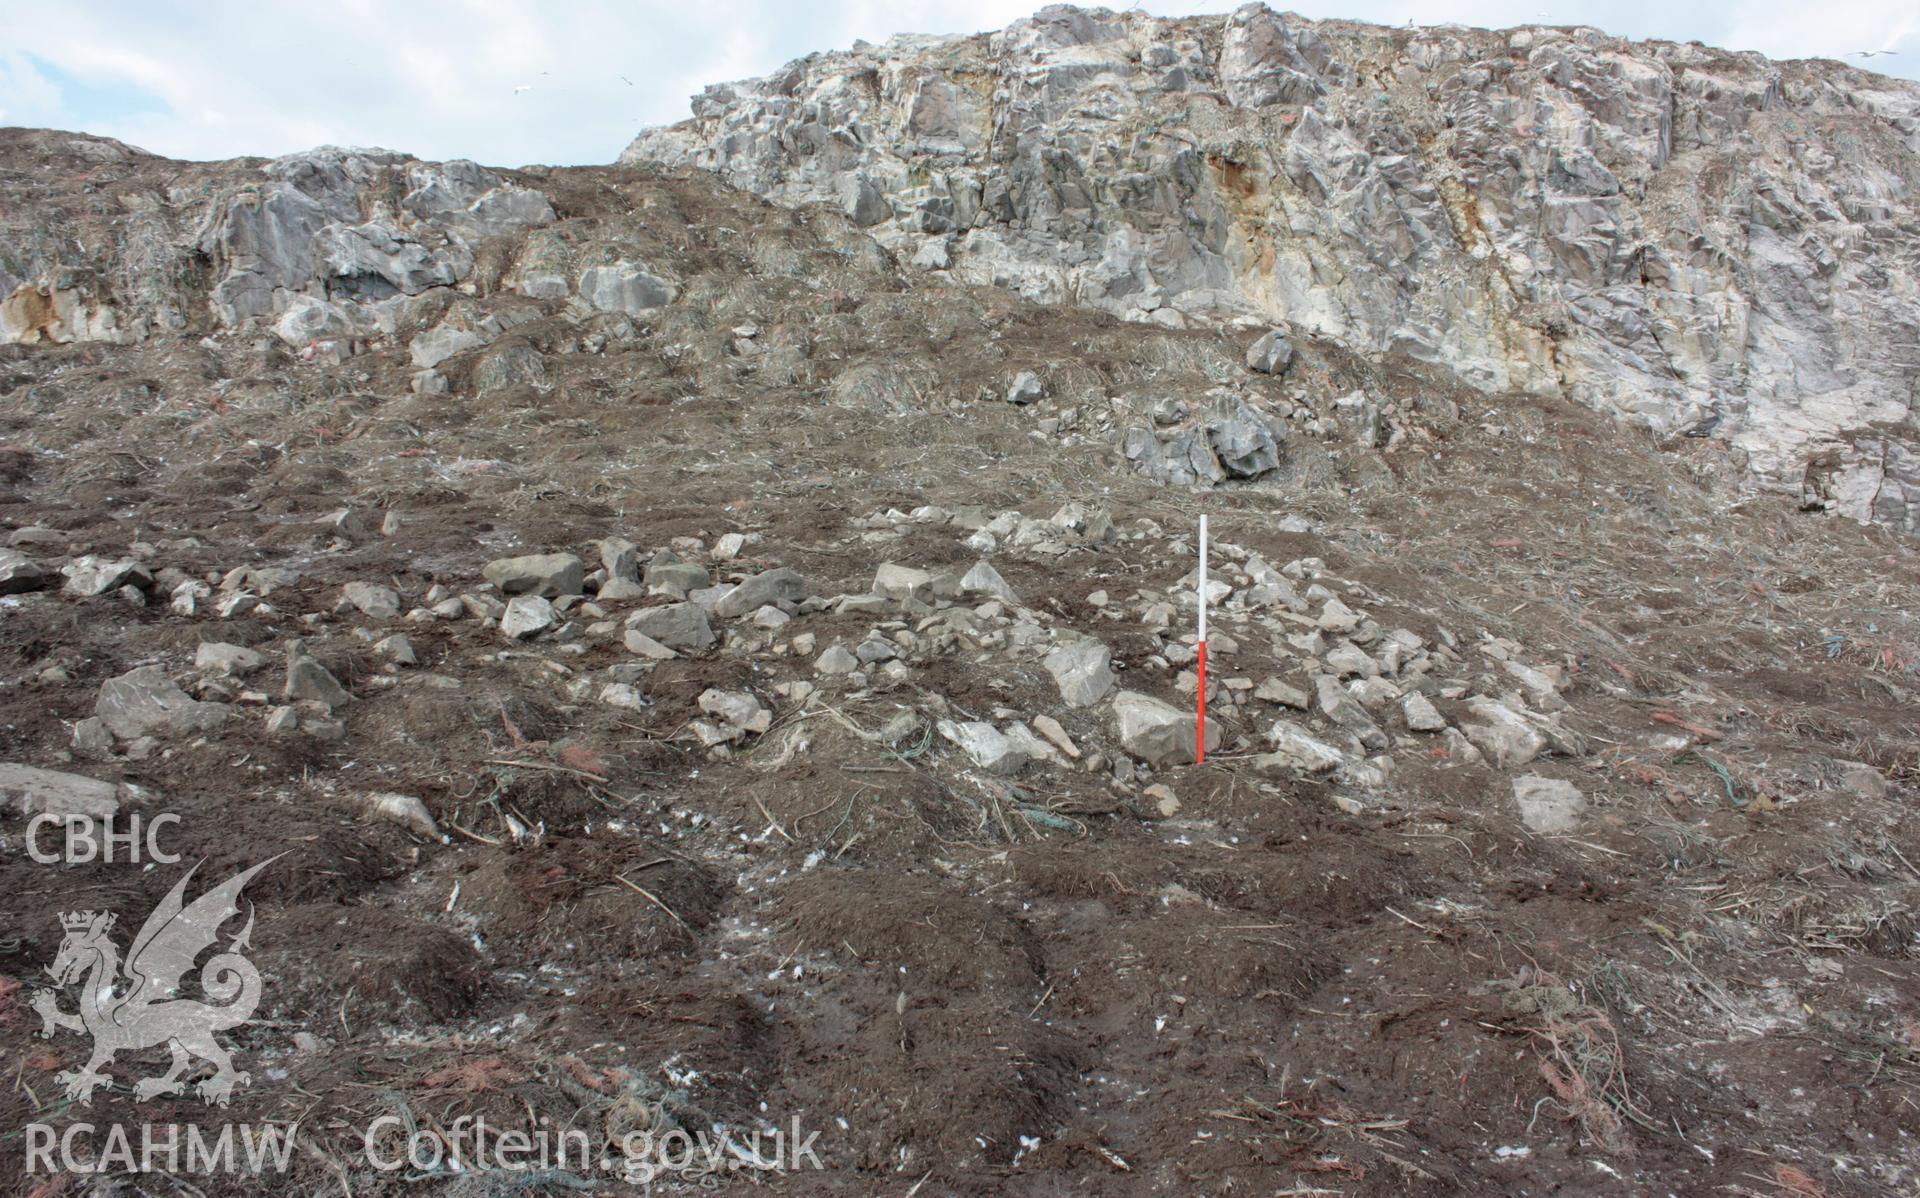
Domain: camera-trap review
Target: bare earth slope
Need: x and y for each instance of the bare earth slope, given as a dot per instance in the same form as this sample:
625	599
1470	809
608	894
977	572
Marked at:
1559	838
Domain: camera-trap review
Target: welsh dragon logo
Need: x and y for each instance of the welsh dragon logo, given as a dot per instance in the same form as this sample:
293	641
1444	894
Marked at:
126	1009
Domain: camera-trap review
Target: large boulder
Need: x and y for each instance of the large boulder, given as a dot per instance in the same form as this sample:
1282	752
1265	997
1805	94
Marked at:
675	625
781	585
549	575
1271	354
624	287
1082	671
20	573
984	745
146	702
1156	732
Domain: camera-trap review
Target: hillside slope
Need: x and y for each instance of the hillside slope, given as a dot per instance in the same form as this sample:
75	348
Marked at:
832	761
1692	238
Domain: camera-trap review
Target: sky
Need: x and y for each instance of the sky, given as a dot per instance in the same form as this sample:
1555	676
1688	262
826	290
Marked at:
566	82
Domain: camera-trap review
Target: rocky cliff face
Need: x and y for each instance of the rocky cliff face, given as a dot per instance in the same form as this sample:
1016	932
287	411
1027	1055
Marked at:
1697	240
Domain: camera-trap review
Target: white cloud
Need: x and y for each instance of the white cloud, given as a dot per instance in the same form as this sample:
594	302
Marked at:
231	77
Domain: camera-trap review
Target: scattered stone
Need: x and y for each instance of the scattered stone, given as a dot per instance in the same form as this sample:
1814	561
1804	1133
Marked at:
1504	736
20	573
188	595
90	576
1297	750
1348	660
1029	745
308	679
548	575
620	558
1275	691
1346	711
405	810
1025	388
625	287
642	645
52	792
397	649
1244	444
235	605
1082	672
669	574
738	708
1270	354
675	625
1421	715
145	701
782	585
771	617
92	737
1549	806
235	661
892	581
1050	728
526	617
729	546
983	579
1337	618
984	745
372	599
1156	732
837	660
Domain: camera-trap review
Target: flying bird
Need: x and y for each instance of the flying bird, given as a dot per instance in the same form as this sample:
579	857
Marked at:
524	87
1869	53
626	81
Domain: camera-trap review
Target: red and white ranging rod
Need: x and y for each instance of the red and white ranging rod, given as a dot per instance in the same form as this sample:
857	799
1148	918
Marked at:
1200	721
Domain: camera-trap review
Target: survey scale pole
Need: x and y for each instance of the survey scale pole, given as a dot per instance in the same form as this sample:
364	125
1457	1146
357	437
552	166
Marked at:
1200	720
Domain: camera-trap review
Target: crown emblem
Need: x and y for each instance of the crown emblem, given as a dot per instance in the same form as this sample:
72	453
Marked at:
84	921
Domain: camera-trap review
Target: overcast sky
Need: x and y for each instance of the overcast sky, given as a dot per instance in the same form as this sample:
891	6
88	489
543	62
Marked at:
222	78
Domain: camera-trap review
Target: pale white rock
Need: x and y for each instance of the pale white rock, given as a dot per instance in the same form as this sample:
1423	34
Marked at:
145	701
674	625
1030	745
372	599
1157	732
234	660
1082	671
781	585
984	745
549	575
1503	735
526	617
1336	617
1548	806
894	581
737	708
1420	713
983	579
406	810
1050	728
54	792
838	659
1296	749
1346	711
308	679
